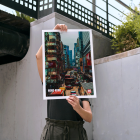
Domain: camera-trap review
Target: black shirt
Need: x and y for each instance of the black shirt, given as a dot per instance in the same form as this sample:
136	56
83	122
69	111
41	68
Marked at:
60	109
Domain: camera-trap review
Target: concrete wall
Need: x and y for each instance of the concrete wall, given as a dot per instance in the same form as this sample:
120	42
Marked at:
116	110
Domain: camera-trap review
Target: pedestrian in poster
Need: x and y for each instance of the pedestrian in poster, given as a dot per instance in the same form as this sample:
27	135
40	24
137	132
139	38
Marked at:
64	116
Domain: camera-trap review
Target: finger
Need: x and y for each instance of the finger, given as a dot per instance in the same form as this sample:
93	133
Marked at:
72	98
73	102
56	27
70	102
75	99
64	27
61	27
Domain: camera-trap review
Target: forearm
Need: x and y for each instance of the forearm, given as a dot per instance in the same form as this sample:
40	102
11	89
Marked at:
84	112
86	115
39	63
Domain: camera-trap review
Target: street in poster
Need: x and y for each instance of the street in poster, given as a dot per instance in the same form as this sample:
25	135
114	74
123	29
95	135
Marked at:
68	64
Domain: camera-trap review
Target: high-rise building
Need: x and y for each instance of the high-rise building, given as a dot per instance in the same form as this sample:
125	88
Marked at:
67	49
73	62
68	63
53	61
81	44
75	51
65	54
86	55
86	43
70	57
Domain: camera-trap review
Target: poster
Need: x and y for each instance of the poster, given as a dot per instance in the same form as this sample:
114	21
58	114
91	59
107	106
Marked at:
68	66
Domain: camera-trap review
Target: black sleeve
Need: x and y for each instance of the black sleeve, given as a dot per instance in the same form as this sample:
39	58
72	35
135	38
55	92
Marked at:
42	82
86	99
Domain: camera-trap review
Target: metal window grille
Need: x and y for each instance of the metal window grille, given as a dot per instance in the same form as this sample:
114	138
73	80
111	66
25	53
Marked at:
28	7
83	15
68	8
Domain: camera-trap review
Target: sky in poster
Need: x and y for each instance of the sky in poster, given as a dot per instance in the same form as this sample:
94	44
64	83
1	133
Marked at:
69	39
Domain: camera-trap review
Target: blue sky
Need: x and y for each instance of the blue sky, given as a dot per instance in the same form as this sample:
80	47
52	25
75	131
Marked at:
101	4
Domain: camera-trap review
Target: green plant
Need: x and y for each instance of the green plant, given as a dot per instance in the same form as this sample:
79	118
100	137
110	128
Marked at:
127	35
23	16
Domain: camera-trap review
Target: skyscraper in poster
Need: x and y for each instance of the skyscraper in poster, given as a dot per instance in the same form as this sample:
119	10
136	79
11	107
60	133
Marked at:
75	52
65	54
67	47
54	64
81	44
70	57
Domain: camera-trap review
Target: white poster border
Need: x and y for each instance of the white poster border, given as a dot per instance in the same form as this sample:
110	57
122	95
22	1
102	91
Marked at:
92	60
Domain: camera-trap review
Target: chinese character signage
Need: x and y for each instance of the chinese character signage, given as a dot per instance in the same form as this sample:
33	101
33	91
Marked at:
68	64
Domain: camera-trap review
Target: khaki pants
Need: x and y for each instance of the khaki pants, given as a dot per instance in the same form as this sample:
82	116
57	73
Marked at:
63	130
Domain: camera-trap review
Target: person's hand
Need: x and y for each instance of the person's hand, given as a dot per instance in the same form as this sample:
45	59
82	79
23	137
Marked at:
61	27
74	101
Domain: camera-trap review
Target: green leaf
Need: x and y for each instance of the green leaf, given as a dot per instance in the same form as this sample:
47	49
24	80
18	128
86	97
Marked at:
127	35
23	16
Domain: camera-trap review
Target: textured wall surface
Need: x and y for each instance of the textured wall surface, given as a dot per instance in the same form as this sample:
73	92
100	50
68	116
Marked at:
116	111
101	46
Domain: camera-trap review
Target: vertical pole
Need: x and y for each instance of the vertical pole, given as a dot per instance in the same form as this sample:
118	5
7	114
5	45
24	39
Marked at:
107	10
107	18
54	6
37	8
93	6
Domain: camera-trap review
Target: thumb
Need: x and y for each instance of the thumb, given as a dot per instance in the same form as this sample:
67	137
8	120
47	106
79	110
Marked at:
57	27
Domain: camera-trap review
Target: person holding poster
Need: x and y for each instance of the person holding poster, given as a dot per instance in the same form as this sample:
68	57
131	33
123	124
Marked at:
64	116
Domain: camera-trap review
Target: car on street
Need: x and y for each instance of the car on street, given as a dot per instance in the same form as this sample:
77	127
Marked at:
76	83
69	87
73	93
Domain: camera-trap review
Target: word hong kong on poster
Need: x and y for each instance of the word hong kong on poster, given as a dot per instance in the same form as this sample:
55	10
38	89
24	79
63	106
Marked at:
68	64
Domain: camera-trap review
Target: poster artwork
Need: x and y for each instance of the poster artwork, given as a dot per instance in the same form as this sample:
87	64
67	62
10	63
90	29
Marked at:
68	66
